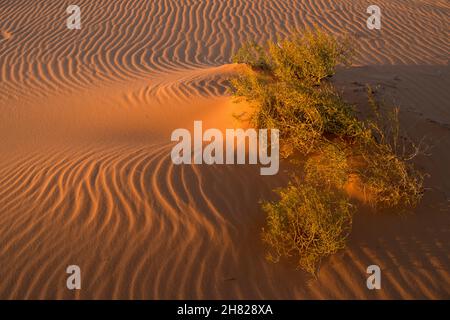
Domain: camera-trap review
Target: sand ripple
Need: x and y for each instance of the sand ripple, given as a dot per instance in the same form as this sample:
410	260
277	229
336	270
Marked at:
85	173
126	39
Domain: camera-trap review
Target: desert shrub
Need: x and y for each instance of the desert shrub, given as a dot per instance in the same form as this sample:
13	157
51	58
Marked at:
388	172
282	79
391	181
307	223
309	56
287	83
252	55
329	168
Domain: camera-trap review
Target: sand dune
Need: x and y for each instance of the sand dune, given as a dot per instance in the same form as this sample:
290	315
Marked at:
124	39
85	170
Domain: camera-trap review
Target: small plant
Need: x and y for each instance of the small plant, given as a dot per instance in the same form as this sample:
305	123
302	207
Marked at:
307	223
287	82
309	57
329	168
388	172
252	55
392	182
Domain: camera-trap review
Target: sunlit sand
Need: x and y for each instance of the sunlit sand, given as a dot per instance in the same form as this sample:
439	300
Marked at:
85	170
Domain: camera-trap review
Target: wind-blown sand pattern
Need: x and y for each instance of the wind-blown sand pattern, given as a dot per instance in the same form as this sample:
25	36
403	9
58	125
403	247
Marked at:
85	170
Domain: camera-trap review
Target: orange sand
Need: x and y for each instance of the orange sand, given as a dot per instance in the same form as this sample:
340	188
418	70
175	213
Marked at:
85	170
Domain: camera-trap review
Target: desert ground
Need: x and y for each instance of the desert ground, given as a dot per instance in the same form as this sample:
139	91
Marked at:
85	171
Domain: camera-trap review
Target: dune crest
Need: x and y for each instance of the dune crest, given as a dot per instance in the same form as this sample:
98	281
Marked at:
85	170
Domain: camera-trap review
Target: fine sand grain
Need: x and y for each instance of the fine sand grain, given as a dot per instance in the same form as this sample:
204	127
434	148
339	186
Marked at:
85	170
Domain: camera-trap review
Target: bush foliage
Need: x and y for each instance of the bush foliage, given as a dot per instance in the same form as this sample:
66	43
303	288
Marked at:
288	84
307	223
387	172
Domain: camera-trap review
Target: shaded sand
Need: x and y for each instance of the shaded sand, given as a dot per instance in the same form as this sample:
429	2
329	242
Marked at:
85	170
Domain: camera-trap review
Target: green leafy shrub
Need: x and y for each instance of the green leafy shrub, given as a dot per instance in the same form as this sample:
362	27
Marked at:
283	79
307	223
392	182
252	55
329	168
287	83
388	172
309	56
